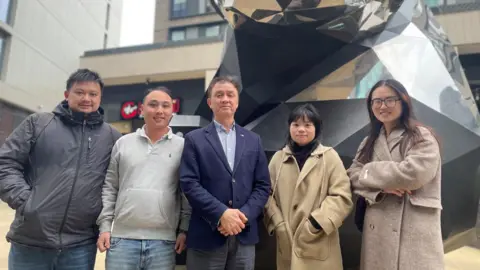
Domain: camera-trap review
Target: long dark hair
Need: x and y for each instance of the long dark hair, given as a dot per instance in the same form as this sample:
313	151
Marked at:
308	113
407	120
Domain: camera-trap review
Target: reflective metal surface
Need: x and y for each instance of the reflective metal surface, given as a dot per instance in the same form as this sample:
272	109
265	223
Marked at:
330	53
402	37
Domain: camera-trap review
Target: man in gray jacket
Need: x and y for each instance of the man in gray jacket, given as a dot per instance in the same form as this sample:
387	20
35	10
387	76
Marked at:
52	169
142	196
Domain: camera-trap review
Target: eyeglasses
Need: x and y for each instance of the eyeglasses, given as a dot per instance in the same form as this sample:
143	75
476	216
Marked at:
389	102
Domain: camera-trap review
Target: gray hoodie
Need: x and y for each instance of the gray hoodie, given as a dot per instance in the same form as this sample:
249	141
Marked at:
141	195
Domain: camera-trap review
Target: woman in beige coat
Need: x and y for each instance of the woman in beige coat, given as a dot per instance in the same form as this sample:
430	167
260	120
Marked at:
310	198
397	172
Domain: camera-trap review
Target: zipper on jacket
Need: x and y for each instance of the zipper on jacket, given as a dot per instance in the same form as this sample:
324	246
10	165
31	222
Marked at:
88	148
73	185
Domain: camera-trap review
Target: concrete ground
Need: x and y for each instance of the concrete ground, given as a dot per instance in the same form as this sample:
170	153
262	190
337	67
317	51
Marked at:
466	258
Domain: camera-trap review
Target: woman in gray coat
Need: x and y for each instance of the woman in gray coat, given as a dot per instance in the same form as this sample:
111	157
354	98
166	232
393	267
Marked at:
397	171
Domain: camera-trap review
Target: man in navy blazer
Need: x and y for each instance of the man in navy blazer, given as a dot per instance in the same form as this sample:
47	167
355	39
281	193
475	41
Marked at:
224	175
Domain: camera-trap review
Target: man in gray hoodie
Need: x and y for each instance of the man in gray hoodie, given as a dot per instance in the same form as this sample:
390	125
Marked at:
142	202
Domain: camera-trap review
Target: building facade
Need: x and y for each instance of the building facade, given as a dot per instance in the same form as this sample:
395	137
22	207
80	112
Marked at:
40	46
179	20
188	44
183	28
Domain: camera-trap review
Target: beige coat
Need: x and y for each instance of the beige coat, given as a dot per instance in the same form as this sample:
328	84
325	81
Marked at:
321	189
401	233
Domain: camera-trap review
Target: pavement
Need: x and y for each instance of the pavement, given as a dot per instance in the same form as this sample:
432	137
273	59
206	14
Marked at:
465	258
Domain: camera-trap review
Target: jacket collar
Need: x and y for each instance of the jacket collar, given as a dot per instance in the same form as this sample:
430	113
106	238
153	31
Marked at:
77	118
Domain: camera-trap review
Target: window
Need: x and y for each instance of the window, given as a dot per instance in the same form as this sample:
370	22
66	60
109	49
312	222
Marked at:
184	8
433	3
177	35
446	3
208	7
202	6
179	8
457	2
197	31
3	38
192	33
212	31
4	10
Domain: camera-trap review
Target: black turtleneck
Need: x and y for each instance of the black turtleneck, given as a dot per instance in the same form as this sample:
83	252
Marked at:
301	153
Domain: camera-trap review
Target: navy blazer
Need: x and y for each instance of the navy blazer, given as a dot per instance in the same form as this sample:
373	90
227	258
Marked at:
211	187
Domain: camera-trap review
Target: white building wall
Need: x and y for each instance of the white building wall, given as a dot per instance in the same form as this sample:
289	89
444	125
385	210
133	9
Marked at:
47	38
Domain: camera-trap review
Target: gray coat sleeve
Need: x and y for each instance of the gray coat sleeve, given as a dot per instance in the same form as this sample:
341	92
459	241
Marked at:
419	167
110	192
14	155
372	195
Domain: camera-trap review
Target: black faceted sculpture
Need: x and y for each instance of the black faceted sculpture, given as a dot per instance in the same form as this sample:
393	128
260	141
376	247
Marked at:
330	53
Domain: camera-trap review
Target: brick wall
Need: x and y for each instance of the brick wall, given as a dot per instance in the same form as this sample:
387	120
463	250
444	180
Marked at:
10	118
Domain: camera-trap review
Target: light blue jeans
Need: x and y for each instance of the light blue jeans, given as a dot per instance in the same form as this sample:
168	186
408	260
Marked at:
130	254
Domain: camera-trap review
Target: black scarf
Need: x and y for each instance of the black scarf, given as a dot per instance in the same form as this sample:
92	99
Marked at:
301	153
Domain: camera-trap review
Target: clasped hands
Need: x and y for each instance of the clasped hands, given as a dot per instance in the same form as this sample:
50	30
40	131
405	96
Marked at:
232	222
398	192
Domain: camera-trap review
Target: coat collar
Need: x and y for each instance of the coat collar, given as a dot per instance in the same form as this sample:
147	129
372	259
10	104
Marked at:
311	162
320	150
384	145
394	136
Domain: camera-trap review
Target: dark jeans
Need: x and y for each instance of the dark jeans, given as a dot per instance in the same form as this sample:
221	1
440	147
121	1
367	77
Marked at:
23	257
231	256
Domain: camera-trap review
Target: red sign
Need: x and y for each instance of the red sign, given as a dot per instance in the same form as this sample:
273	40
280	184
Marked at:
131	109
176	105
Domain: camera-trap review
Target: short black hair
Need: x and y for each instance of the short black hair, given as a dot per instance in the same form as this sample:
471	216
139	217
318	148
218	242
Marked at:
306	112
84	75
158	88
223	79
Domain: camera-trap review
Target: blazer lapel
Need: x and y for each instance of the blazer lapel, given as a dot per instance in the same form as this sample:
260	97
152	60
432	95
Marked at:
239	146
212	138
